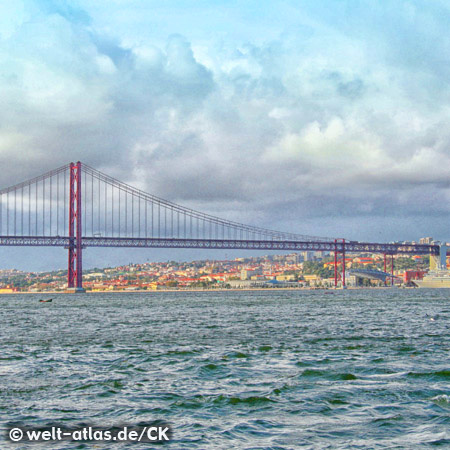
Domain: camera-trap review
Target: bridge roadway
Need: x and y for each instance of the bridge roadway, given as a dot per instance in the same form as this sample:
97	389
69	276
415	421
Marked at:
339	245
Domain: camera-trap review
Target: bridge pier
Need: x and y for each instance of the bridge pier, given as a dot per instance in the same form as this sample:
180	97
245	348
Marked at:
75	265
343	264
336	264
392	269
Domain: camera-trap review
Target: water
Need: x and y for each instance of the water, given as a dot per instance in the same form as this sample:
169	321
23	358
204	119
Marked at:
362	369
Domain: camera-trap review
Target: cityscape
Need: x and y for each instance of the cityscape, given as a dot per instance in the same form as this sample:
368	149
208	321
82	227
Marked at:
306	269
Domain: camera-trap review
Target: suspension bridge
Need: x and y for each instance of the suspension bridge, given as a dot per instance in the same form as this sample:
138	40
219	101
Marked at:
77	206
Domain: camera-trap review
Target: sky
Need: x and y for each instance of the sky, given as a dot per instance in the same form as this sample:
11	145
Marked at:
326	118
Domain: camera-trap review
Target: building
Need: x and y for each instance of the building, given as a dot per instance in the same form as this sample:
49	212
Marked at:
307	256
413	275
247	274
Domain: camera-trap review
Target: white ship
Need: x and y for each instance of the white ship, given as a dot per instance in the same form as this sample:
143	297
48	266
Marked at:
435	279
438	276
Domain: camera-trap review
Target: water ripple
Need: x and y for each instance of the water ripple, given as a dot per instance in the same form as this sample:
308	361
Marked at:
255	370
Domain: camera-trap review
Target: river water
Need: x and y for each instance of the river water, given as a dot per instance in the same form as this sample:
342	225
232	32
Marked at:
355	369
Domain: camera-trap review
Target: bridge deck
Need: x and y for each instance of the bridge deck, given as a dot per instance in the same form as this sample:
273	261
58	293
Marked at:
352	246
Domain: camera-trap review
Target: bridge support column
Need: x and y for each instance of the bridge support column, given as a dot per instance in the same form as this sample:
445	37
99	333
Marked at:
75	269
385	281
72	251
343	264
335	264
392	269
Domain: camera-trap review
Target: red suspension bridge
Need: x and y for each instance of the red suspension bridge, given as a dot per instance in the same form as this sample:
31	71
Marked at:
76	206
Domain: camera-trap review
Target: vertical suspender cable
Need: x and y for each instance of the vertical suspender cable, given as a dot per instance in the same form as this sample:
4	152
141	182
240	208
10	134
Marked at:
92	205
15	210
126	213
112	210
43	207
21	212
65	203
36	208
84	192
105	205
29	210
7	213
57	204
98	207
120	192
51	179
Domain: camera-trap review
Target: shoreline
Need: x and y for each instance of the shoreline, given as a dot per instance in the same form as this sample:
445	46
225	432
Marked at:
142	291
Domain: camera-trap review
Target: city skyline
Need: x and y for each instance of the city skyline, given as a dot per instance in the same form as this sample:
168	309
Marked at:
293	270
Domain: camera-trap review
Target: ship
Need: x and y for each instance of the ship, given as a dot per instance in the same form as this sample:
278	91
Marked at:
438	275
434	279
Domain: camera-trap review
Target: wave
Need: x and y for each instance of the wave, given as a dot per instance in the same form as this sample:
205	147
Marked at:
442	400
312	373
438	374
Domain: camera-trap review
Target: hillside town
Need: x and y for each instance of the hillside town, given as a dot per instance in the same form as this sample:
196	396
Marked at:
295	270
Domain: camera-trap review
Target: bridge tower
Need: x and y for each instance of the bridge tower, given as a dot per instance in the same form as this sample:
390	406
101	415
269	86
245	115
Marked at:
75	266
336	262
